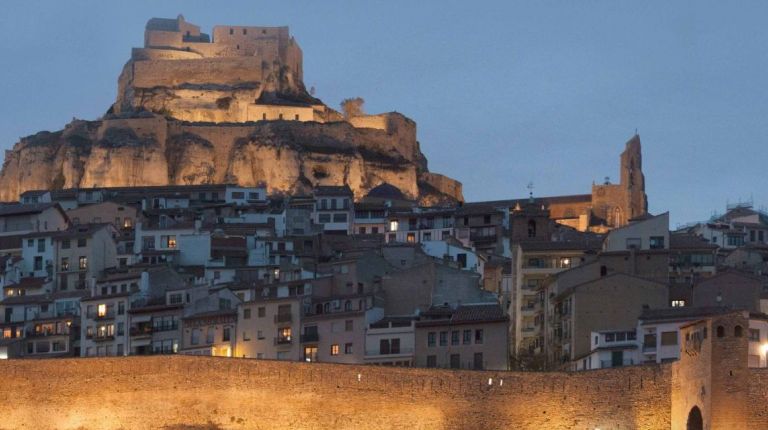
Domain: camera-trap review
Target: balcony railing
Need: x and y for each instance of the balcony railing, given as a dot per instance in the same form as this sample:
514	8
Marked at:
280	318
103	338
311	337
399	351
141	331
605	364
283	340
95	316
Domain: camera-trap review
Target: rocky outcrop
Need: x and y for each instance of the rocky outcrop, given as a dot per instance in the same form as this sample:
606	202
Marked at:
191	110
289	156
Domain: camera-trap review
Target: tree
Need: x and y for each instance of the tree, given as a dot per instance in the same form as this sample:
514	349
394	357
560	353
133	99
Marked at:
352	107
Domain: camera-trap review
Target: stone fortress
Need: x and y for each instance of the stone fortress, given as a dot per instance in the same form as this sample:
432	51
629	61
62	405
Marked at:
196	109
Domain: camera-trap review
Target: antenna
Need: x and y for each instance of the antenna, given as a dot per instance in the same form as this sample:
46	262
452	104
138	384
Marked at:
530	191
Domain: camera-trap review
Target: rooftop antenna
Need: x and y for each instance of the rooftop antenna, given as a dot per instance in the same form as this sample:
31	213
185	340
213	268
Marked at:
530	191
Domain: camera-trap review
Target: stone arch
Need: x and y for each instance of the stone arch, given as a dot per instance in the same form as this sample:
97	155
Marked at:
695	419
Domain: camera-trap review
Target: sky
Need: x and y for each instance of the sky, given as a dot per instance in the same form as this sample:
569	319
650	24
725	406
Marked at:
504	93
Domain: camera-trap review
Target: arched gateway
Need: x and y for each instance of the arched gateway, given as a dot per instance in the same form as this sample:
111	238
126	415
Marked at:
695	420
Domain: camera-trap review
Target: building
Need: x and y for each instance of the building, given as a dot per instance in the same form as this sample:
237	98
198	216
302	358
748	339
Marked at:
467	337
334	209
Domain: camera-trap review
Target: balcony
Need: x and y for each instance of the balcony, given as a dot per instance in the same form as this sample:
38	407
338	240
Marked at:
606	364
165	327
283	341
110	314
399	351
104	338
141	331
282	318
311	337
649	349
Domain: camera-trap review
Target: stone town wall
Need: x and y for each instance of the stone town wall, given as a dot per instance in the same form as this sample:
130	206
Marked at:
757	394
206	392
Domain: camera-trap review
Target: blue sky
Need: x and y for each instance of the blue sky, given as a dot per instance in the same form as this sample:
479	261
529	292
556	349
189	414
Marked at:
504	93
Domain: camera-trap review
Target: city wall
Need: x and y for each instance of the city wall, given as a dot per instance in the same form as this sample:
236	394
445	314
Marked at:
205	392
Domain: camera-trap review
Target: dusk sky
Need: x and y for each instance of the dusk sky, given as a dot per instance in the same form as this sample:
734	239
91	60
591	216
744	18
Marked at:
504	93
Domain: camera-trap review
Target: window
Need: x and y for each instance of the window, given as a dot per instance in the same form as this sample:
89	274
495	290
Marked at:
455	361
175	299
411	238
238	195
82	242
431	339
339	217
347	348
38	263
477	362
324	218
40	245
479	336
120	329
467	337
246	336
65	244
754	335
64	264
431	361
738	331
383	346
246	314
656	242
168	241
455	337
669	338
148	242
120	308
678	303
102	310
262	312
310	354
443	338
634	243
394	346
226	334
83	263
284	334
720	331
335	349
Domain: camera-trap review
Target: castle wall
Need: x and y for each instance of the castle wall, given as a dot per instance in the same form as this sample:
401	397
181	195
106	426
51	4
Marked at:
273	112
149	74
175	391
143	54
444	184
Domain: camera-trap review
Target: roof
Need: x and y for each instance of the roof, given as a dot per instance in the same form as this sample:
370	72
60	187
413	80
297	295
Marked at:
209	314
465	314
689	241
74	232
332	190
581	245
682	313
26	208
574	198
386	191
162	24
11	242
23	300
28	282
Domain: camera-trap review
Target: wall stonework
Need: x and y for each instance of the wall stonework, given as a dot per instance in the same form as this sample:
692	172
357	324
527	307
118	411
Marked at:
163	392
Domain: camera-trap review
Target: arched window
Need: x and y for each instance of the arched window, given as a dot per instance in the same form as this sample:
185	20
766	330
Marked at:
738	331
531	228
720	331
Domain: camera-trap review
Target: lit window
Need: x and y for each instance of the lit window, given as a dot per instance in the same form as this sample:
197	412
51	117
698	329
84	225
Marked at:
678	303
393	225
102	311
83	263
335	349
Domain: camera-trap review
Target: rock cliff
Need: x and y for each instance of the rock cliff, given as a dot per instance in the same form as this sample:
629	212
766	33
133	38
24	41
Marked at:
290	157
192	110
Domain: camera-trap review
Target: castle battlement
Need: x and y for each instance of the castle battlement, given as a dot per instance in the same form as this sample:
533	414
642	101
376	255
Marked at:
268	44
